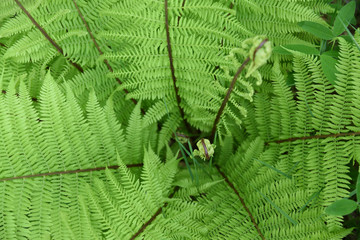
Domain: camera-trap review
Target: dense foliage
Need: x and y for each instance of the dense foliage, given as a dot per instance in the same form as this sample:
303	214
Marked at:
208	119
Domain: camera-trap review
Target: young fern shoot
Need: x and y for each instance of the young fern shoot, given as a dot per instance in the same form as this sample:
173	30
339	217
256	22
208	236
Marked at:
263	54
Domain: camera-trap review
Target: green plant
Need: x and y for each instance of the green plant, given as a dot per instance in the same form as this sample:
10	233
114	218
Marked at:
94	93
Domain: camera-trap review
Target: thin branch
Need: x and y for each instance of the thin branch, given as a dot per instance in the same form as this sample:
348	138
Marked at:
99	49
314	137
178	99
153	217
69	172
232	85
241	200
52	41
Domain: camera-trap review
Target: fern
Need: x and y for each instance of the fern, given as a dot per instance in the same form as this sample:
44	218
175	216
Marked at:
136	47
81	161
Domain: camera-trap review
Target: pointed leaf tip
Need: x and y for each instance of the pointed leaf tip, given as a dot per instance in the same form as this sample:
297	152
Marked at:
343	18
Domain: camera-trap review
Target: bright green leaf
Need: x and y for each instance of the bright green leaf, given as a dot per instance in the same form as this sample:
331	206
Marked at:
281	50
331	53
341	207
345	15
289	49
317	29
303	49
328	66
323	46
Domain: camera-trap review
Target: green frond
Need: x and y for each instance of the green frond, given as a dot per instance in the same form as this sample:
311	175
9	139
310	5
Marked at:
121	205
273	200
158	110
263	119
167	130
134	135
48	155
133	41
283	107
78	160
341	102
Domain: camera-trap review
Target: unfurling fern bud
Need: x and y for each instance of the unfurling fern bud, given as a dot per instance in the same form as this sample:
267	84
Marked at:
259	53
206	149
257	49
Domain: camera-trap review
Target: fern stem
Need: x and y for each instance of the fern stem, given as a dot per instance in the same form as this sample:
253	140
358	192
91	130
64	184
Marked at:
314	137
180	15
241	200
232	85
99	49
227	96
153	217
178	99
46	35
69	172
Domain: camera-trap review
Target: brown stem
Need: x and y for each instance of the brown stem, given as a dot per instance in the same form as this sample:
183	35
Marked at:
52	41
88	29
241	200
314	137
226	99
69	172
178	99
227	96
99	49
182	7
153	217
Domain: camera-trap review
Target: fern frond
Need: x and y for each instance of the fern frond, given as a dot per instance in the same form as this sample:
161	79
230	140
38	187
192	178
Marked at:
133	43
50	153
254	181
122	205
67	69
